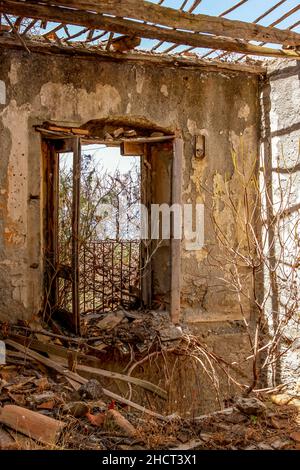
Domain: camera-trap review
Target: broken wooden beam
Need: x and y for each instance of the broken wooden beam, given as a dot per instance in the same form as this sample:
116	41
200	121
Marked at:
91	367
91	20
174	18
34	425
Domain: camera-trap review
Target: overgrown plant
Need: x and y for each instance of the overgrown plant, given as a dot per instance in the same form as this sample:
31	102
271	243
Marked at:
257	255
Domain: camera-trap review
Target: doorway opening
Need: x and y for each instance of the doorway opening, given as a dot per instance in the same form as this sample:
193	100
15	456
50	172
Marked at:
109	245
99	257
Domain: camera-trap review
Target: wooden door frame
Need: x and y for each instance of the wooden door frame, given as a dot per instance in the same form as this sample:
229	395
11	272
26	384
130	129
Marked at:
176	198
52	172
52	149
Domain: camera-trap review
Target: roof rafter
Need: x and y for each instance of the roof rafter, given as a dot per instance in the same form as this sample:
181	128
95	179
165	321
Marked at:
125	26
172	18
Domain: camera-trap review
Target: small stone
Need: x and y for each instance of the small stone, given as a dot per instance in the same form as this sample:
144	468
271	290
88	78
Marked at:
131	133
76	409
157	134
250	406
170	333
41	397
118	132
295	436
92	390
279	444
263	446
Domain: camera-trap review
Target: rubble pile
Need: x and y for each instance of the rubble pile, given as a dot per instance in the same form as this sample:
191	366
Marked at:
52	396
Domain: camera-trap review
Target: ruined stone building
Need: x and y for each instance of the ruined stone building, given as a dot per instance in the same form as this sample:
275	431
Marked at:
213	132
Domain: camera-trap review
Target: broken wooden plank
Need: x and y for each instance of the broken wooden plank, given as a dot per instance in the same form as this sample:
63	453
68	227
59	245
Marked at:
173	18
78	131
56	350
34	425
118	25
47	362
75	378
91	372
140	408
92	369
59	129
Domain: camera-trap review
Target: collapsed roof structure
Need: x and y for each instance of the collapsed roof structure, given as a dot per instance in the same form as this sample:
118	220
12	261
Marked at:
183	34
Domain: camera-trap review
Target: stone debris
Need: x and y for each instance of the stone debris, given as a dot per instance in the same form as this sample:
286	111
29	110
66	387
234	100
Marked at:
110	320
250	406
78	409
171	333
91	390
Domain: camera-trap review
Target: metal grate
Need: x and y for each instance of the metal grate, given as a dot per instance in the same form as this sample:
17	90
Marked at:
109	275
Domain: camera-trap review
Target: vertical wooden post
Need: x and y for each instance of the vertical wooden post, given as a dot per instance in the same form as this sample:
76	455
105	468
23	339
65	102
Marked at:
75	233
176	193
146	183
51	221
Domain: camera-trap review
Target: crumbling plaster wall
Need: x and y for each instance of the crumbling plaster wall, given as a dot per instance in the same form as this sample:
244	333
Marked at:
281	157
224	106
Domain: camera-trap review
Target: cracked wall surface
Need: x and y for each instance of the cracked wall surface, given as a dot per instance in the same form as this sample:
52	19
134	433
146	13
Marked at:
35	88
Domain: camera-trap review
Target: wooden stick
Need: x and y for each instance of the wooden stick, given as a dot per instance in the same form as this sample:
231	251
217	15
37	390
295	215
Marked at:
49	333
15	30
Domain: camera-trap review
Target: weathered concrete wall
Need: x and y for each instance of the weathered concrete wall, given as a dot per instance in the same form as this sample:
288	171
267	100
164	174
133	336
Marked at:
281	159
36	88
